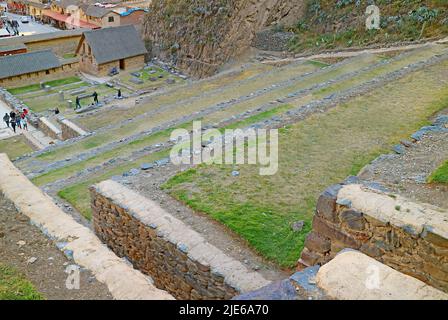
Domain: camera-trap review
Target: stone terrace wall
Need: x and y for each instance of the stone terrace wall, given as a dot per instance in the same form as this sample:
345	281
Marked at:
345	278
70	130
411	238
177	258
74	239
48	128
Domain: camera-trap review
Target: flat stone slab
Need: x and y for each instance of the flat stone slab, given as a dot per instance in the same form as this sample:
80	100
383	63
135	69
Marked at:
352	275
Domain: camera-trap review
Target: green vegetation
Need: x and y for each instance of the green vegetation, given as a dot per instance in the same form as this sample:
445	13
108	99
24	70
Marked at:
313	154
402	20
15	146
78	194
440	175
14	286
36	86
190	107
46	100
157	75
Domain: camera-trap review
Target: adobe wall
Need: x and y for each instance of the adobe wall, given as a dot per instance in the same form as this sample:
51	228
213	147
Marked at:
134	63
60	46
178	259
66	70
409	237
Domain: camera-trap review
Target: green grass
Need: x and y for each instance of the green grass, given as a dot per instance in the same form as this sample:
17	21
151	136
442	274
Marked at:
15	146
14	286
50	100
69	55
36	86
188	108
145	76
125	150
78	194
313	154
440	175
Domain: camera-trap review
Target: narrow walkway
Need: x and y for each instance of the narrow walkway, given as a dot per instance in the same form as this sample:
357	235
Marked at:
33	135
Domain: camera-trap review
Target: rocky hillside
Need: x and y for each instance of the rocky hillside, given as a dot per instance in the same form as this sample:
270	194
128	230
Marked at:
199	36
330	24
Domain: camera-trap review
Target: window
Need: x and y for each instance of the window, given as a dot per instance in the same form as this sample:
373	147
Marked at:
47	71
111	19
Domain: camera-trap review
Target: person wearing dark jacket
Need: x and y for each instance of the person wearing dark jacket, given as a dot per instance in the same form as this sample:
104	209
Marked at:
6	119
12	120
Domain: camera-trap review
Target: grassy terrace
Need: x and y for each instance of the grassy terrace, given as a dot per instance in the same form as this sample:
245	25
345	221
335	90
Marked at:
188	108
36	86
313	154
145	76
15	146
78	194
184	92
440	175
14	286
46	101
219	115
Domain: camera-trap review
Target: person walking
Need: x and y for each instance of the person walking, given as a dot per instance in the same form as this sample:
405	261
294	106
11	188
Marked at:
19	121
6	119
95	97
78	105
119	93
13	123
24	123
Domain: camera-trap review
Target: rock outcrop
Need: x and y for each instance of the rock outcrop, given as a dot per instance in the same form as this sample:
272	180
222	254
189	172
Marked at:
200	36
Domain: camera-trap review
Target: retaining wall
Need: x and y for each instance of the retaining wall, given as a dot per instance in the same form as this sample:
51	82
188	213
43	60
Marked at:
70	130
351	275
77	241
48	128
409	237
177	258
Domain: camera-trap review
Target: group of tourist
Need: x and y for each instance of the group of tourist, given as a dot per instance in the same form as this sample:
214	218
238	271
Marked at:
14	120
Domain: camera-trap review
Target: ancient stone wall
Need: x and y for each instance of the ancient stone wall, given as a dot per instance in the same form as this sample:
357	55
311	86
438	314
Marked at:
409	237
177	258
69	130
347	277
74	239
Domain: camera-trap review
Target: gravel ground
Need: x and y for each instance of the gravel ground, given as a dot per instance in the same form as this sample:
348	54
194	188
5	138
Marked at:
25	248
406	174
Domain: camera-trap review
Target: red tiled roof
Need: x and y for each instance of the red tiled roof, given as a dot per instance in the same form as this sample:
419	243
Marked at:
69	20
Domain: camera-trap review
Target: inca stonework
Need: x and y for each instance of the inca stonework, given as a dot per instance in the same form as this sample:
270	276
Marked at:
409	237
177	258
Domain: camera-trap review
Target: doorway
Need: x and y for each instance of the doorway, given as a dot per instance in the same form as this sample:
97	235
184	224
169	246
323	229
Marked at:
121	64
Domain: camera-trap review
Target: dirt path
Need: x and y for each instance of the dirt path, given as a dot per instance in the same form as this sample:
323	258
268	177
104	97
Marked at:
21	243
356	52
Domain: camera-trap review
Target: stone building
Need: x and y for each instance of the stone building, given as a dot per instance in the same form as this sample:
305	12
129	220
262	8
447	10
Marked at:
120	48
34	67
